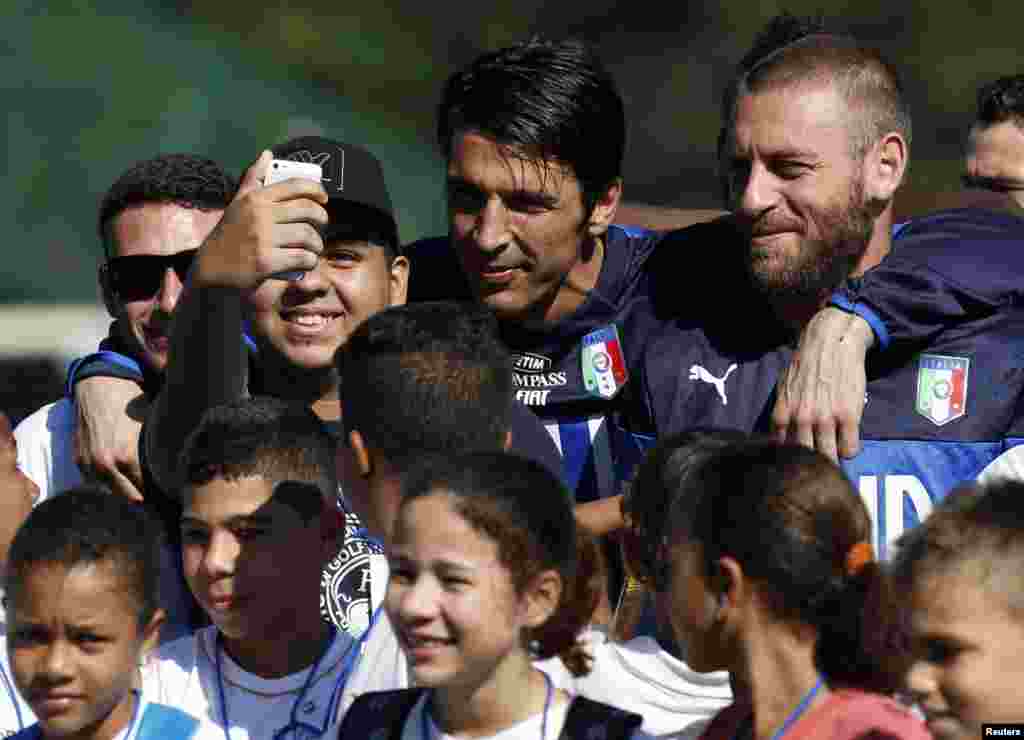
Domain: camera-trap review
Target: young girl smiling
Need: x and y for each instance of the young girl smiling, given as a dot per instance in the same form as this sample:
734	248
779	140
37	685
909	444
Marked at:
487	575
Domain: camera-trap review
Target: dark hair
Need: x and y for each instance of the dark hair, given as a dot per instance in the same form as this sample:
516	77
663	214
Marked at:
266	437
541	100
791	519
85	525
792	50
355	222
528	513
427	377
981	524
656	487
186	180
1001	100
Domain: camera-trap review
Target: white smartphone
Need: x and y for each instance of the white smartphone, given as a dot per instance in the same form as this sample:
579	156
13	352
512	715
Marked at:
285	169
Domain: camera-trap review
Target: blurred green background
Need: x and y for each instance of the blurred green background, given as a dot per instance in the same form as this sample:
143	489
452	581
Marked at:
91	87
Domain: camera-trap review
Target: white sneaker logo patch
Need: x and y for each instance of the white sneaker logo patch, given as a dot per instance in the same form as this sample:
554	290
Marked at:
699	373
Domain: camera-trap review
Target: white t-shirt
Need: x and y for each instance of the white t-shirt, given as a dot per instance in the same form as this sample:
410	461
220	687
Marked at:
638	676
46	455
382	666
183	674
15	714
45	452
529	729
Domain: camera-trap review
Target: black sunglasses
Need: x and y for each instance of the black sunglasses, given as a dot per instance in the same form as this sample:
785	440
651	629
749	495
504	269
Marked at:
138	277
996	185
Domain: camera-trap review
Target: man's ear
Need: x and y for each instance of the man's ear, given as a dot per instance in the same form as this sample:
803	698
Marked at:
107	290
884	167
603	212
543	595
507	444
398	279
361	454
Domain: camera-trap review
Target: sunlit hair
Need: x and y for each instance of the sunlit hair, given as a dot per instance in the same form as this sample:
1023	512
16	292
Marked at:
528	513
544	100
976	530
792	51
262	437
186	180
790	519
87	525
427	378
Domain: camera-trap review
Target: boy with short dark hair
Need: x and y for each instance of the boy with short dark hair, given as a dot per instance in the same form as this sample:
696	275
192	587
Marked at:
962	570
258	523
82	610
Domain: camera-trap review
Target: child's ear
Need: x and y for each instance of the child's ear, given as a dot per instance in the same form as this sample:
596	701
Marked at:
543	596
151	631
730	585
361	453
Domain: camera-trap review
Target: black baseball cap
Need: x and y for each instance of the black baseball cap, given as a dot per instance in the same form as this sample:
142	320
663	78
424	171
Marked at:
351	174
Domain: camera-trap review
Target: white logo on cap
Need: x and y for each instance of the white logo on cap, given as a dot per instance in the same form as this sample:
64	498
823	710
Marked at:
304	155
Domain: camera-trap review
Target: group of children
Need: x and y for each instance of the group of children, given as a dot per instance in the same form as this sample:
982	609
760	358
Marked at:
760	560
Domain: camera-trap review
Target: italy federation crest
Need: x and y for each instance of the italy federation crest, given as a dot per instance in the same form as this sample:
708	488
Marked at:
942	387
604	370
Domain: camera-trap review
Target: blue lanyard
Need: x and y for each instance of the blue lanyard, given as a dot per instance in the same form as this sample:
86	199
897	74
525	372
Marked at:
14	697
425	714
349	666
798	712
135	713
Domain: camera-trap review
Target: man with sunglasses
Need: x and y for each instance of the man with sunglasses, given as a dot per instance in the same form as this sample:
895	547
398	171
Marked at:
151	222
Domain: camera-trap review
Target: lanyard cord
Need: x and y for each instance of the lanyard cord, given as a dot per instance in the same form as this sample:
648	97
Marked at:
791	720
425	714
798	712
351	659
218	649
348	667
135	713
14	697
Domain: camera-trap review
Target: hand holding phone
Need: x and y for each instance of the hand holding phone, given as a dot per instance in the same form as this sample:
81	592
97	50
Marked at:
285	169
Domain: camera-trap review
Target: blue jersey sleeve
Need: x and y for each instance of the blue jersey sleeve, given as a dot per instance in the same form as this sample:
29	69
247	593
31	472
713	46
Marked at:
944	270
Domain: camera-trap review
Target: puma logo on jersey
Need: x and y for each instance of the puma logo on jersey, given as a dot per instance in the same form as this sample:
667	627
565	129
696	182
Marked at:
699	373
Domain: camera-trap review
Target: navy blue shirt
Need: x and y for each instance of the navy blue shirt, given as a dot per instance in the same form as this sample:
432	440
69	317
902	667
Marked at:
944	393
579	375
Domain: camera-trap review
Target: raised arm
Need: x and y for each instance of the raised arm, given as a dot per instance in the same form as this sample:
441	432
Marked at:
265	230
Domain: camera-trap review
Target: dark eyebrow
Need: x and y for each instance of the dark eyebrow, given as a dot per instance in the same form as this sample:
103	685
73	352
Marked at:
997	184
541	197
235	521
535	196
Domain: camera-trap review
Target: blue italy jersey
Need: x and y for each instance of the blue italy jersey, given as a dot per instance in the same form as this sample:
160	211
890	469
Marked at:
578	375
944	393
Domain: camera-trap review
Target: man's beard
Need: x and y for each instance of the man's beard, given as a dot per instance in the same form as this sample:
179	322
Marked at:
822	264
